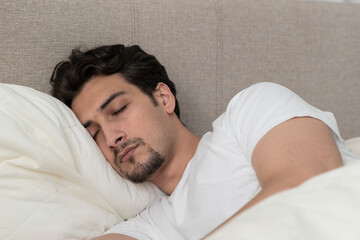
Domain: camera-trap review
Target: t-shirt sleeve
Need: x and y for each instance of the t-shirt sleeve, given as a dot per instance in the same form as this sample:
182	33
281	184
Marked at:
151	224
132	228
138	227
259	108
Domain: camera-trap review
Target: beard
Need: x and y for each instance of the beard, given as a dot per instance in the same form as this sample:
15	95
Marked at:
141	171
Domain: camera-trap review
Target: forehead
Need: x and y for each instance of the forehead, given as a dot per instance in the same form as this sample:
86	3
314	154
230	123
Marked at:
97	90
103	85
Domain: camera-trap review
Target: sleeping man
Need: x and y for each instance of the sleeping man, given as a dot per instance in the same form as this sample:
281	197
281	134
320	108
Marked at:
266	141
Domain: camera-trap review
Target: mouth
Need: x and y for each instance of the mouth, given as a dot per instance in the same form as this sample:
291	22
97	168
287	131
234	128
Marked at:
127	153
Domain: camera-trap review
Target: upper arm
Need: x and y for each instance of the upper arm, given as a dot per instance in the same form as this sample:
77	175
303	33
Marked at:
282	135
113	236
291	153
294	151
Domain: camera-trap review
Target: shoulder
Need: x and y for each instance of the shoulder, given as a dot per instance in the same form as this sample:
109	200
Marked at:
265	85
263	90
263	96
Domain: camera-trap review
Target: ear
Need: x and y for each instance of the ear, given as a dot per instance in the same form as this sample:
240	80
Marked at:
165	97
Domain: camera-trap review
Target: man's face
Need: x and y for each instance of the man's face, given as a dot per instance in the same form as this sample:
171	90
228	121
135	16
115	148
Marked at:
132	133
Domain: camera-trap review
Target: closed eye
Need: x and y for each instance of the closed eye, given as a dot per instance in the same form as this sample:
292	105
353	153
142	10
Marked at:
120	110
95	134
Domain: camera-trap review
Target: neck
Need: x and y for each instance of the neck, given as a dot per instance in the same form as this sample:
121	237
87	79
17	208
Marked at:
169	175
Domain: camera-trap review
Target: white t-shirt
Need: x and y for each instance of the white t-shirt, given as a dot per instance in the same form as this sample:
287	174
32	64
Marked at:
219	180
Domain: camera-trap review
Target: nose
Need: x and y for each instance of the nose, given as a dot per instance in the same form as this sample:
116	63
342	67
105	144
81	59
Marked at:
114	135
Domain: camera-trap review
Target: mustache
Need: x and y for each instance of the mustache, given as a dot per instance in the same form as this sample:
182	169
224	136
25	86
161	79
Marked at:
121	147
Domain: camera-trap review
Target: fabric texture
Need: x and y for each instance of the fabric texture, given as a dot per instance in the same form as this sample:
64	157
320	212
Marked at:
54	181
324	207
211	49
219	179
354	145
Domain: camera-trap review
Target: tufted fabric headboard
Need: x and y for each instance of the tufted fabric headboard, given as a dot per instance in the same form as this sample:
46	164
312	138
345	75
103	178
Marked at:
211	49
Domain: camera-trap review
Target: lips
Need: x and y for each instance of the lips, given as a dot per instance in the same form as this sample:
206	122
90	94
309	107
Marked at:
127	153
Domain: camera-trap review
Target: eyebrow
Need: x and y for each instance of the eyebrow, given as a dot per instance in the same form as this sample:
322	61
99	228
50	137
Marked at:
109	99
103	106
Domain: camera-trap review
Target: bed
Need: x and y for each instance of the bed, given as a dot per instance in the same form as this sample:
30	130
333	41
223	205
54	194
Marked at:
54	182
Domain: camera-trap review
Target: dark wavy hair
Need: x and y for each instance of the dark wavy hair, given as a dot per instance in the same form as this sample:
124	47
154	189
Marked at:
132	63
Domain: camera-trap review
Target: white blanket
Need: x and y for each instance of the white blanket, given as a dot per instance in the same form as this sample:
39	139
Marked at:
54	182
326	207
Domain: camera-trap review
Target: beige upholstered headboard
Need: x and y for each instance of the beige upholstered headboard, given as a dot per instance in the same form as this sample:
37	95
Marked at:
211	48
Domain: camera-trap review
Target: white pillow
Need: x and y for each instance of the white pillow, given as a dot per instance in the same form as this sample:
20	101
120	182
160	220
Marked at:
354	145
54	181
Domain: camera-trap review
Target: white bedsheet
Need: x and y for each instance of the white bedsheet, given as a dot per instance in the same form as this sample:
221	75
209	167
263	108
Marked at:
326	207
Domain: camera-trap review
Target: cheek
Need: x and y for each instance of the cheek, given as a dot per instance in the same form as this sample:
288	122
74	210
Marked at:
137	125
108	154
